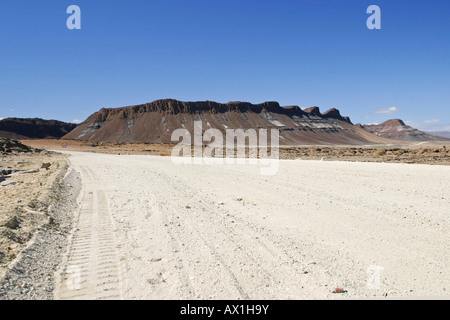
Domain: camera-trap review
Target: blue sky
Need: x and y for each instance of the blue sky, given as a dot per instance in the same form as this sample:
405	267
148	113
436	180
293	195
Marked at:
306	53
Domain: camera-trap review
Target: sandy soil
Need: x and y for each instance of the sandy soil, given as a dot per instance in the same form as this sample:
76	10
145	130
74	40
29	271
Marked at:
25	202
147	228
398	152
31	276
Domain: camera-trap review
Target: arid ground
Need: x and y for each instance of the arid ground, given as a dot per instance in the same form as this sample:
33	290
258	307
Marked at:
150	229
400	152
145	228
25	202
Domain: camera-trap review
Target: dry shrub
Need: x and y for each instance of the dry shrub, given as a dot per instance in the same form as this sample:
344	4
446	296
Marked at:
380	152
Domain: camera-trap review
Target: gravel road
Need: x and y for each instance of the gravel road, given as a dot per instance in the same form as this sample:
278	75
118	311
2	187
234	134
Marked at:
150	229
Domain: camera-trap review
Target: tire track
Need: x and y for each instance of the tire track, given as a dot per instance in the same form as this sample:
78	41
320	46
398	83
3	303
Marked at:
243	265
191	248
183	237
91	270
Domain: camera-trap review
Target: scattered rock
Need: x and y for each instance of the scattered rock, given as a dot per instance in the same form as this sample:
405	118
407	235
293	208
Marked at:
46	166
339	290
7	171
12	223
29	171
9	145
7	183
35	266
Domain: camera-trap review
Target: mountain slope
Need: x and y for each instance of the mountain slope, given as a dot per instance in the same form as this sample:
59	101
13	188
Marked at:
154	122
20	128
443	134
396	129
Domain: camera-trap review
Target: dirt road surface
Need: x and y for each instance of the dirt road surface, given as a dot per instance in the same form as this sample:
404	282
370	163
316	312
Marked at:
149	229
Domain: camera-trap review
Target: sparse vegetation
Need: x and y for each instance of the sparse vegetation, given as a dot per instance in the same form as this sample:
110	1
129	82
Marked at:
380	152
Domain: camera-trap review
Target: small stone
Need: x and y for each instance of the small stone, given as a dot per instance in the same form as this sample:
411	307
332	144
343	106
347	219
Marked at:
46	165
13	223
339	290
7	183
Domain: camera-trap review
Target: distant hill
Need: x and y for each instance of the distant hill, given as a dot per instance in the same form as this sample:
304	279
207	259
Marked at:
154	122
25	128
444	134
396	129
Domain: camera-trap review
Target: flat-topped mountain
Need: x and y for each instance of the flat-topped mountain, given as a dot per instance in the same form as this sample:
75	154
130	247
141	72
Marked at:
154	122
34	128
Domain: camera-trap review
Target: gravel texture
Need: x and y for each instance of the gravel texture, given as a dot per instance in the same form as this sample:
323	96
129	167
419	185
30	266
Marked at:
150	229
31	276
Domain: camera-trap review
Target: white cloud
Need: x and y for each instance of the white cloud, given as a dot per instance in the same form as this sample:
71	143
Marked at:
390	110
1	118
429	125
76	121
413	124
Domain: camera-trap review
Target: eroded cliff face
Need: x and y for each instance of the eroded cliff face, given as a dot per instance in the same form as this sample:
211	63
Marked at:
154	122
174	107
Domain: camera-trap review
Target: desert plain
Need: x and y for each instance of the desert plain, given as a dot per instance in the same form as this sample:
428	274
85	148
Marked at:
130	224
